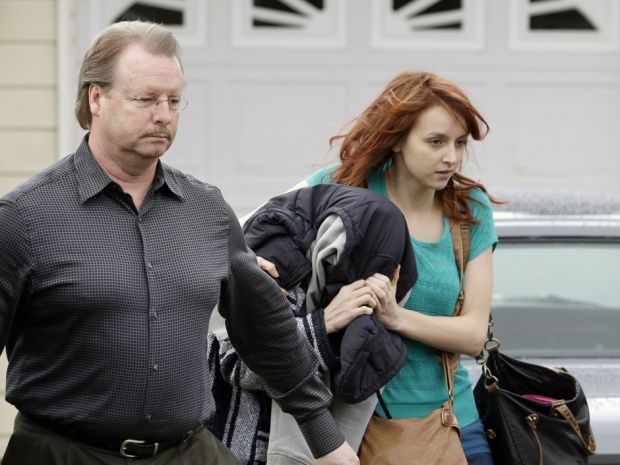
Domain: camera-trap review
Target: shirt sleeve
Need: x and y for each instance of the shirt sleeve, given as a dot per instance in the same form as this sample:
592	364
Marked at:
236	373
263	330
14	266
323	176
483	234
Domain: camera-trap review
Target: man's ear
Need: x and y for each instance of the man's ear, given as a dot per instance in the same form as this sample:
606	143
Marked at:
95	93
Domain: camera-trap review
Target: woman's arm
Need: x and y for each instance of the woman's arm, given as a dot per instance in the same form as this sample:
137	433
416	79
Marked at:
464	334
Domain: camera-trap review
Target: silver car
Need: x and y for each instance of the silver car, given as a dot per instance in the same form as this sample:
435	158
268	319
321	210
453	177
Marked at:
557	296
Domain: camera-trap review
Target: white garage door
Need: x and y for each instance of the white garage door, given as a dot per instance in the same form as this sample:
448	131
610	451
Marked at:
271	80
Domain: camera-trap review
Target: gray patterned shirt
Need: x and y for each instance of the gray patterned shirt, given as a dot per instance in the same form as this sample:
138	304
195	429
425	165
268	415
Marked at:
104	310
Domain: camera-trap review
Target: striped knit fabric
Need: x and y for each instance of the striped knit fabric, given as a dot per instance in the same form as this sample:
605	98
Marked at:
243	410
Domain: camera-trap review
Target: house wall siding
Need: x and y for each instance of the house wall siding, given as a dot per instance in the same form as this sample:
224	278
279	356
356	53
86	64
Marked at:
28	127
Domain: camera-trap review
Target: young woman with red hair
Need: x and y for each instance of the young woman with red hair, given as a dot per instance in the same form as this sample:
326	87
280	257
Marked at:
408	145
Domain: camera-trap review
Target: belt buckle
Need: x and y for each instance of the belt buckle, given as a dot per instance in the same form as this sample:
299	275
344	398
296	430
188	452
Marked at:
138	442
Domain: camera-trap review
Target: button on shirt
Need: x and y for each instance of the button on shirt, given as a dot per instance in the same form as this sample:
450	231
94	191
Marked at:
104	309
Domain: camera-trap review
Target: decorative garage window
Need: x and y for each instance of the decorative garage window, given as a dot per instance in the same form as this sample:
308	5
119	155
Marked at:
187	18
564	25
289	23
424	24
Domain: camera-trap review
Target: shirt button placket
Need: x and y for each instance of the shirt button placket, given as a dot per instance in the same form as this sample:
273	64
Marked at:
149	243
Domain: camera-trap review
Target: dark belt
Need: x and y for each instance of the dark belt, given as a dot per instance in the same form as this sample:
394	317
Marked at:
126	447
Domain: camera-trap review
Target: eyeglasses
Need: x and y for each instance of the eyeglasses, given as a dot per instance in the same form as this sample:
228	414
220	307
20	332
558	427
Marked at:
175	104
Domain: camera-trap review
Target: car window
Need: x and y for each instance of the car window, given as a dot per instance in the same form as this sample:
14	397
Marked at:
559	299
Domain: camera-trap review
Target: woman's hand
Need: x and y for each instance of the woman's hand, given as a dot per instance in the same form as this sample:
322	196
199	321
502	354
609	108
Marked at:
267	266
384	289
352	300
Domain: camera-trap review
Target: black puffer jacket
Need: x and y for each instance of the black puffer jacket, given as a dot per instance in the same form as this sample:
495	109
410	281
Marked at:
377	241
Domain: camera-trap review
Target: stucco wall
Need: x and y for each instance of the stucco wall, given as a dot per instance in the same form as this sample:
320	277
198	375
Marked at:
28	116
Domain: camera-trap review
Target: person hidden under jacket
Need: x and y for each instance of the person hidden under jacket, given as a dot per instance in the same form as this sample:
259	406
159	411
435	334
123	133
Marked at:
320	238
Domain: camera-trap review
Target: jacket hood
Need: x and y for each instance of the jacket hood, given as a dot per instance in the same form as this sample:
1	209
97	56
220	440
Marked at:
377	237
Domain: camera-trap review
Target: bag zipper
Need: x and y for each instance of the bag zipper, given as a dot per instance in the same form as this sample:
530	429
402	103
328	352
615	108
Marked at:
532	421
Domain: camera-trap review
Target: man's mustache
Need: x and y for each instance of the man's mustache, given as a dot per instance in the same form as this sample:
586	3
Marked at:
161	132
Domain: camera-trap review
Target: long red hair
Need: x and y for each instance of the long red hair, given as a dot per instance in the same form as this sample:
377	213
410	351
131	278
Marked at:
387	121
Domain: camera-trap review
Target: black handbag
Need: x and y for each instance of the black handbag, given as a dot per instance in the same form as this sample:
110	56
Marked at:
533	415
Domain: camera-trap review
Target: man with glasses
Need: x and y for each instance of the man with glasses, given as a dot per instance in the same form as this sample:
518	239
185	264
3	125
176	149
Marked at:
111	264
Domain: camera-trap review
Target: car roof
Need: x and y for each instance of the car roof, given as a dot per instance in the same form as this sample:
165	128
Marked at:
545	226
544	213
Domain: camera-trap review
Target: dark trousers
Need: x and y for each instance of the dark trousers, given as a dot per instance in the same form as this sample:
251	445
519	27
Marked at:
33	444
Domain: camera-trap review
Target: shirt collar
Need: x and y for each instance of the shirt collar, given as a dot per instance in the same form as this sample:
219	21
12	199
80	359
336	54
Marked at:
92	179
165	177
376	182
90	176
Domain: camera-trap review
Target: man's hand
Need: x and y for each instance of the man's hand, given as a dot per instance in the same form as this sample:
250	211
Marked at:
344	455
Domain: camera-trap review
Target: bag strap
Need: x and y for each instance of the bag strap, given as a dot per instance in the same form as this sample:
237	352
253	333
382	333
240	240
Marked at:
448	377
461	242
563	409
388	415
